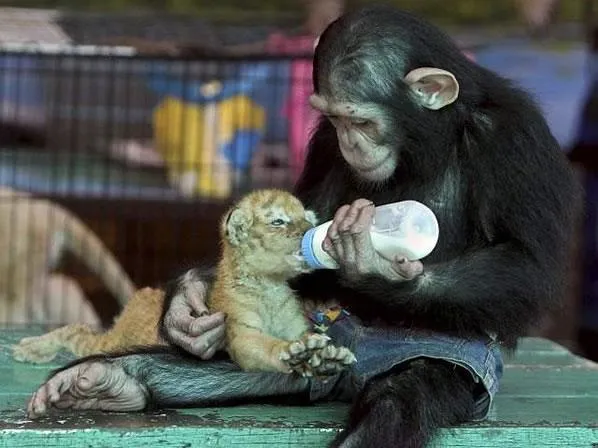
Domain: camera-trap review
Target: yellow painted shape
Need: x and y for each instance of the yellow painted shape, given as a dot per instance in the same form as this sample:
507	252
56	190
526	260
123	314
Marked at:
189	137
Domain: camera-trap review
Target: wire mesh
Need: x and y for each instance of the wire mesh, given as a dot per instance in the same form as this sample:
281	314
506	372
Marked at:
146	150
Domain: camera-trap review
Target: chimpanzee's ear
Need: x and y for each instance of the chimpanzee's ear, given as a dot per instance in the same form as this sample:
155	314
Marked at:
434	88
236	225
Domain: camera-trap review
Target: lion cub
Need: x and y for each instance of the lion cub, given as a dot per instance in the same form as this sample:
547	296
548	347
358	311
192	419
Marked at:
266	327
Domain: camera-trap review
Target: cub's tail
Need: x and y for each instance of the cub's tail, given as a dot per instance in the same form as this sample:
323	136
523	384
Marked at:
136	326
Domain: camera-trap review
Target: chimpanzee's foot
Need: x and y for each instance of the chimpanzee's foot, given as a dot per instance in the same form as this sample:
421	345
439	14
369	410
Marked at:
100	385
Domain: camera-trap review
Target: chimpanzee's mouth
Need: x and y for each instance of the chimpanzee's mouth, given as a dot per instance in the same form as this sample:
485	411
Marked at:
375	166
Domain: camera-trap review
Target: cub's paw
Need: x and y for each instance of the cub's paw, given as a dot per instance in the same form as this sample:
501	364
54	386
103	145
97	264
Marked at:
298	353
330	360
36	349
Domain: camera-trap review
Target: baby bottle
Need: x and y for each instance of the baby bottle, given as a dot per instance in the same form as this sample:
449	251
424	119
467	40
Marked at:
402	229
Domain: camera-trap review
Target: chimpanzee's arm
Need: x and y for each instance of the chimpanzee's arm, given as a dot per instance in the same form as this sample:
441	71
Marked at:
502	286
498	289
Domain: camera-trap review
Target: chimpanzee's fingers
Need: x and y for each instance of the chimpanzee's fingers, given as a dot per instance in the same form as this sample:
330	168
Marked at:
203	346
345	236
353	214
182	310
206	345
362	216
177	322
195	295
360	234
349	217
332	243
346	229
339	217
201	325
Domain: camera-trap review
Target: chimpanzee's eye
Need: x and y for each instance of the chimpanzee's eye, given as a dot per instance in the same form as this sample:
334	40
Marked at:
278	223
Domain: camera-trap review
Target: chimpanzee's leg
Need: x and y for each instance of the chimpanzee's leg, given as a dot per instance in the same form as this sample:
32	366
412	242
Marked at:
406	407
412	383
134	381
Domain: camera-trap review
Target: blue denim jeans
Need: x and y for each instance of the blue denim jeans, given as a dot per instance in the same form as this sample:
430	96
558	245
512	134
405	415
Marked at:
379	349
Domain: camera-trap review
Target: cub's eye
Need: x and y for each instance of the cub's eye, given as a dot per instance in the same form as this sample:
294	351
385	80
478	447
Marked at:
277	223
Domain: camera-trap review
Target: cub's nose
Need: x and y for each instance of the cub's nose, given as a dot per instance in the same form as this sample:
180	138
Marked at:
306	225
301	227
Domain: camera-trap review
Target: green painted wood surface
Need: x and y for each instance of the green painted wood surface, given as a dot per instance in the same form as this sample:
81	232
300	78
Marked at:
548	398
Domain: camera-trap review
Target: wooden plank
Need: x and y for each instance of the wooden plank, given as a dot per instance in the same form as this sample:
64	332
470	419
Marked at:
548	397
539	344
540	411
507	411
116	432
550	382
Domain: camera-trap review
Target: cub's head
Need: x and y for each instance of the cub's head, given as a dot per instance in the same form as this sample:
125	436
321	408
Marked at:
264	229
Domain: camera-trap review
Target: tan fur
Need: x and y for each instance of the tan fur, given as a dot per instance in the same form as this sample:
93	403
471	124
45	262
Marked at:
263	315
33	234
136	326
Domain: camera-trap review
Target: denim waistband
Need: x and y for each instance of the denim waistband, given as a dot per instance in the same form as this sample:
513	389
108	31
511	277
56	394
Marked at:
379	349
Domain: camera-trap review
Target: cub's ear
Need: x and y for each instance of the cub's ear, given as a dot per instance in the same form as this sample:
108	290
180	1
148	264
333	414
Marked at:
236	226
434	88
310	216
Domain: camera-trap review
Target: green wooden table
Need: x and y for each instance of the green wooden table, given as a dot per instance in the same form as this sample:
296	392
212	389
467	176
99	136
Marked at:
548	398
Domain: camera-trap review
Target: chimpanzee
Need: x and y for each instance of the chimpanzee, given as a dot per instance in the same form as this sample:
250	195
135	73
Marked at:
405	115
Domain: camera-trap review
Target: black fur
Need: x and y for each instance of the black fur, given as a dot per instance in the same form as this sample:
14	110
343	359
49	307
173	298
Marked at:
390	411
505	199
504	195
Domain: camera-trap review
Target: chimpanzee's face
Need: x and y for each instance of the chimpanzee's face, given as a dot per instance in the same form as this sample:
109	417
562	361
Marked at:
362	129
360	132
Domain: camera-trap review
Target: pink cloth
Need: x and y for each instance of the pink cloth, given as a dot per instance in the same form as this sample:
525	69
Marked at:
302	118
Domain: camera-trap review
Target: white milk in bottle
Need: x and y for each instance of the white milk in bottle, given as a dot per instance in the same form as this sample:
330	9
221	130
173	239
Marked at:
402	229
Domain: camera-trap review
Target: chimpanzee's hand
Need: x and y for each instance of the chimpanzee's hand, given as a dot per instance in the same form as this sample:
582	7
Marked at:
349	242
187	322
